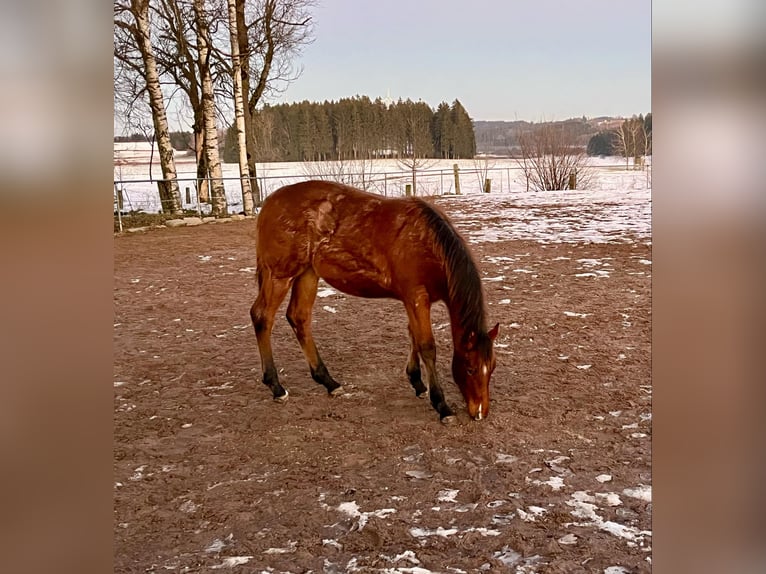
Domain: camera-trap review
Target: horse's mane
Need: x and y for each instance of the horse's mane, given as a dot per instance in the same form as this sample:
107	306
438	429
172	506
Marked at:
463	281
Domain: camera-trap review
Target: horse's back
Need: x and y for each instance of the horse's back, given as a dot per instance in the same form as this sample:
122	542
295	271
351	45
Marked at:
361	243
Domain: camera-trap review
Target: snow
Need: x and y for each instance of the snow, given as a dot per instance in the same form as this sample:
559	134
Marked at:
616	207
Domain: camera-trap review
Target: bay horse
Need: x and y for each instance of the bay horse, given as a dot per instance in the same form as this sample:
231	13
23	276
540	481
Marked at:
370	246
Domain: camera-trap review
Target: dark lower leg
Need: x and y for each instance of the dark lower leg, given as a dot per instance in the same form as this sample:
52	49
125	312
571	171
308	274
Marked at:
262	314
299	317
416	379
413	370
435	393
437	400
271	380
322	376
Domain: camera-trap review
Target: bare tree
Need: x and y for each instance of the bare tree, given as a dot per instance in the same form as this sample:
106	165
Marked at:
176	56
631	140
239	110
269	35
132	31
551	159
356	172
482	166
416	121
218	193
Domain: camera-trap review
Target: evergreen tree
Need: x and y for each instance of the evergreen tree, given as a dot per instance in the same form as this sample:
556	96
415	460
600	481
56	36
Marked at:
358	128
601	144
464	137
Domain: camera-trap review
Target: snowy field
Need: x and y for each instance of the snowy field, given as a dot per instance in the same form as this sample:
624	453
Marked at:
625	190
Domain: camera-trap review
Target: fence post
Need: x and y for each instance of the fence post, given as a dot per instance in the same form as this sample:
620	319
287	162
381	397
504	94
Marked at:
573	180
385	185
119	206
456	170
408	189
487	185
188	195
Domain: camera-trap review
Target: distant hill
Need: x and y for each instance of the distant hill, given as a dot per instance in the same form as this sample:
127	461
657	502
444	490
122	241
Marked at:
501	137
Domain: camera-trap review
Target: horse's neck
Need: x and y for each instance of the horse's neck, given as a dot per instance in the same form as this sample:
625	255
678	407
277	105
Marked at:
460	327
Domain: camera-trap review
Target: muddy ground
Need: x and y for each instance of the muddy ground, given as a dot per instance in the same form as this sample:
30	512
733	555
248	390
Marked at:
210	473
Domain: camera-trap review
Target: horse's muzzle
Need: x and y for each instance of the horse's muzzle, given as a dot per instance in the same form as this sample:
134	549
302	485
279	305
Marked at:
479	414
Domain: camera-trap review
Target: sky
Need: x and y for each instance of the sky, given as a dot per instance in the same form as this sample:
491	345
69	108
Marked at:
535	60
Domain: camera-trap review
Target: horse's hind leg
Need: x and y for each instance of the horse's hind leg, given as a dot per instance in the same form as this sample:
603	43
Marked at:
413	368
271	292
299	317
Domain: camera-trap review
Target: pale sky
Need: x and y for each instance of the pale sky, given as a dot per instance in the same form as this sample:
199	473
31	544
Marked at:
503	59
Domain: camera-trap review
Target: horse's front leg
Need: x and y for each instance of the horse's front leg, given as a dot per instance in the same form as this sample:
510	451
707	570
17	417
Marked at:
419	314
414	373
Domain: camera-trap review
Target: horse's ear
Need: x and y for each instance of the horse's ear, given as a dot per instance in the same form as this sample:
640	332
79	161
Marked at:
493	332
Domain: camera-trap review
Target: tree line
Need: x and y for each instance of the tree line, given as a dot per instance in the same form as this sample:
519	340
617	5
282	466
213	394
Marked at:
632	139
358	128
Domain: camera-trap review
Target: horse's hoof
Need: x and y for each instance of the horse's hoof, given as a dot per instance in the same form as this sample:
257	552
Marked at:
282	398
422	394
449	420
337	391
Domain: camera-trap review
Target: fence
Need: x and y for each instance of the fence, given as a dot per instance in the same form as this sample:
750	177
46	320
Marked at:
141	195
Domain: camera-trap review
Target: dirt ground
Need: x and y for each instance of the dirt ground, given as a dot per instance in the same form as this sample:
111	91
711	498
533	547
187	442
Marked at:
210	473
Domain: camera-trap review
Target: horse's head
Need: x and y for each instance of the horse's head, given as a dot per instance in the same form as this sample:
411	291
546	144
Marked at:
472	366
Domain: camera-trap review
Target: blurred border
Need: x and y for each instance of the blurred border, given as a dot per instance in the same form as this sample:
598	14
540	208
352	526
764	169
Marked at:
56	303
708	283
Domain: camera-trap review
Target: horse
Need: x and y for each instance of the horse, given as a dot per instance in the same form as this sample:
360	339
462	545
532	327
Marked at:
370	246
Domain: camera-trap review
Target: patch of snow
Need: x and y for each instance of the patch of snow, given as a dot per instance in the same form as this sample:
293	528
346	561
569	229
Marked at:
232	561
555	482
568	539
641	492
326	292
289	549
352	509
447	495
501	458
573	314
609	498
507	556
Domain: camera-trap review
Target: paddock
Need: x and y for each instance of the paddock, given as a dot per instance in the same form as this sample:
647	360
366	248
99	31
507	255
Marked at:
210	472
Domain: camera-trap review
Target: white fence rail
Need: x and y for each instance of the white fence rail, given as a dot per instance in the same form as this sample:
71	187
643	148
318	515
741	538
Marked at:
140	194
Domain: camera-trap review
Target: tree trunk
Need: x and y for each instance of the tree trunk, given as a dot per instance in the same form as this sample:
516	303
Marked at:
170	194
239	112
218	195
244	52
203	193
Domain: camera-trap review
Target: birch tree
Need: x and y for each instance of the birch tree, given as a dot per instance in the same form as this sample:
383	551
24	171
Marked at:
217	190
133	26
239	110
175	50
